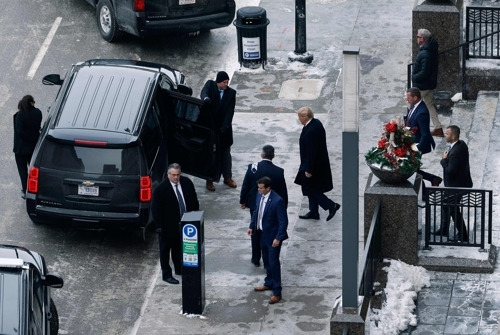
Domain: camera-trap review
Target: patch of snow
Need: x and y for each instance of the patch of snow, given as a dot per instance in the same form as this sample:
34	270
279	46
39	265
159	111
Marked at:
404	281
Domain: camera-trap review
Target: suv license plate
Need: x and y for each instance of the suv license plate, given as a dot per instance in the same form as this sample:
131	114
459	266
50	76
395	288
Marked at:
88	190
186	2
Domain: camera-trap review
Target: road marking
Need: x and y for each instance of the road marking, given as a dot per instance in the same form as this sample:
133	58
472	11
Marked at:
43	48
148	295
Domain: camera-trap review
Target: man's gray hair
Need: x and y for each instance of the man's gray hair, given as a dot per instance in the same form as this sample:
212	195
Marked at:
426	35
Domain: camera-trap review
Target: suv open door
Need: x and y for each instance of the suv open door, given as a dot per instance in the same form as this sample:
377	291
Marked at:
192	140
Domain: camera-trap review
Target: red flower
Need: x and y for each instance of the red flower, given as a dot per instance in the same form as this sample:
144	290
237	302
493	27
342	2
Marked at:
391	127
400	152
382	143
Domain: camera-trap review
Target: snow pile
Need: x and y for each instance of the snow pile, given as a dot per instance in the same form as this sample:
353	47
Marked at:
404	281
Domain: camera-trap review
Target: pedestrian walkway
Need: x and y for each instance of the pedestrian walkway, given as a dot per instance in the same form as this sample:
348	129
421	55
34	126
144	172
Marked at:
311	258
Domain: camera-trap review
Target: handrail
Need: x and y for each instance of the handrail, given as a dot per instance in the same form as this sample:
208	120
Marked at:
370	244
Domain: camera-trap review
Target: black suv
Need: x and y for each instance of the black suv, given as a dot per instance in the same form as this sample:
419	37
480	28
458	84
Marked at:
26	307
153	17
108	139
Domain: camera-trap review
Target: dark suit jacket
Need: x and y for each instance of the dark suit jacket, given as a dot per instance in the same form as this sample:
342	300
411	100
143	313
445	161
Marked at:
222	111
274	219
314	159
165	207
420	119
456	170
264	168
26	131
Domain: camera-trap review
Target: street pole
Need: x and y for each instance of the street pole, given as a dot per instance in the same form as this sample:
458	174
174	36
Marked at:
300	54
350	178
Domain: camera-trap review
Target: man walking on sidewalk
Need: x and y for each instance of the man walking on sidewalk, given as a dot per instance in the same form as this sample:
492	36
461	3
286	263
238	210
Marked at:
425	73
315	174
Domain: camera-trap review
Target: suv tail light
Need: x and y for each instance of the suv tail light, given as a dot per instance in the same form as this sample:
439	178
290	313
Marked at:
33	180
139	5
145	191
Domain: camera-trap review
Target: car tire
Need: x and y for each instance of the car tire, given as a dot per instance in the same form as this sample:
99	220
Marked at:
54	318
106	21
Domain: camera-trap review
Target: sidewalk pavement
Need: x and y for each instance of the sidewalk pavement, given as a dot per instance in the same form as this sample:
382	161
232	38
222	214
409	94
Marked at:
311	257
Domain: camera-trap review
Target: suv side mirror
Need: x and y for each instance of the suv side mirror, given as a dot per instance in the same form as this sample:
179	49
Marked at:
184	89
53	280
52	79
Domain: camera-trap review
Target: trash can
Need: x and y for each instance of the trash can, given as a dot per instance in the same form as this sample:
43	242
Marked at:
251	27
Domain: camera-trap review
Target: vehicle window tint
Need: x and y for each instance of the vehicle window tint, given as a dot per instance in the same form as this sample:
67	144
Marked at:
151	137
10	296
187	111
36	293
64	156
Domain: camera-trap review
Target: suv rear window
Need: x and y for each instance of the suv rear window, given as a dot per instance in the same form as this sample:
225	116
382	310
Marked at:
107	161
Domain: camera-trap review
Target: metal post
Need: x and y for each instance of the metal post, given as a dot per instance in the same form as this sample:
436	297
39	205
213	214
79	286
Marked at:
300	54
350	178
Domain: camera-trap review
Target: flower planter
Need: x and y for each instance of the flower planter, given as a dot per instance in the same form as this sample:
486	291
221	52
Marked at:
390	177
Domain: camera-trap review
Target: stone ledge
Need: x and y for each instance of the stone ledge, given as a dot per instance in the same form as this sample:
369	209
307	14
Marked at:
457	264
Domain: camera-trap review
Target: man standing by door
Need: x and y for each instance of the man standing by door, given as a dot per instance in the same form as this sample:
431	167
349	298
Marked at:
221	100
175	196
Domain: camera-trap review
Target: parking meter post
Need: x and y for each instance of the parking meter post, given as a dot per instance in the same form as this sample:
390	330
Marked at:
251	27
193	262
300	54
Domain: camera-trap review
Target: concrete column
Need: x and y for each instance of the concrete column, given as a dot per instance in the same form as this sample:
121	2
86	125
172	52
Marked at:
399	216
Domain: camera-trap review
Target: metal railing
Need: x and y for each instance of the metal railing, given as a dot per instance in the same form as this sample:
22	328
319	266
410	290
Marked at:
482	32
371	255
458	216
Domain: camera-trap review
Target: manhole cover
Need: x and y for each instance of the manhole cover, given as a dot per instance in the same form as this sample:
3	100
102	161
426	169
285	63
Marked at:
301	89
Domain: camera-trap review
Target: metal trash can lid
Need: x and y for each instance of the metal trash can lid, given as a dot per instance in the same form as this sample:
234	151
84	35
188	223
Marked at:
251	13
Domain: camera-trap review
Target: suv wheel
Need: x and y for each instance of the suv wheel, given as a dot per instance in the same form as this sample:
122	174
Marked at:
54	318
106	22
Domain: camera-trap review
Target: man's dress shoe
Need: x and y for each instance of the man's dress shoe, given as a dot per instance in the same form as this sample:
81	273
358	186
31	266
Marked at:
274	299
261	288
210	186
229	182
171	280
309	215
440	231
333	211
257	264
437	132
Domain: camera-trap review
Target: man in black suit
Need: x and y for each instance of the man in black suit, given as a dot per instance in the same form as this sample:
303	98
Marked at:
171	199
418	119
314	175
248	192
221	100
456	173
270	219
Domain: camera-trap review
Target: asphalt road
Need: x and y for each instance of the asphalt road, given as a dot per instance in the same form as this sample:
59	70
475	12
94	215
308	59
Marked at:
106	273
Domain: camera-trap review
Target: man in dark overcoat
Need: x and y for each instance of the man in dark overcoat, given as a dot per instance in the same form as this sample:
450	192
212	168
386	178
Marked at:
167	209
221	101
314	175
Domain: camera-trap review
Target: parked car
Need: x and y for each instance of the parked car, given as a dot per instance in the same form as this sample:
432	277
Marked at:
26	307
154	17
108	139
